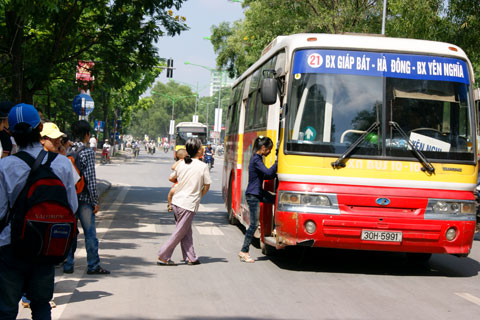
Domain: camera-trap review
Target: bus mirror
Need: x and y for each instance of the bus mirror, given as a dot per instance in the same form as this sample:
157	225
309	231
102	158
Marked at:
269	91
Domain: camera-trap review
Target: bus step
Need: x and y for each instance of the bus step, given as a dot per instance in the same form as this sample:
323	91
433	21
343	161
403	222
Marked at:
271	241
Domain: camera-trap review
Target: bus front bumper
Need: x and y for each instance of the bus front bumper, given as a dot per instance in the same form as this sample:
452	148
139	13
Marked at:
379	234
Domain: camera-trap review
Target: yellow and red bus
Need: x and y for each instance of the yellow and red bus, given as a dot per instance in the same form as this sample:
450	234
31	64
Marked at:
376	144
186	130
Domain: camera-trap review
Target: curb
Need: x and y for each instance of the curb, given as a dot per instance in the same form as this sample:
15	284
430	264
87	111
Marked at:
102	187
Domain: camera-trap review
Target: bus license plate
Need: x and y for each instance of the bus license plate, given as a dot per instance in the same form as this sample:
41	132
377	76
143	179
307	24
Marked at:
371	235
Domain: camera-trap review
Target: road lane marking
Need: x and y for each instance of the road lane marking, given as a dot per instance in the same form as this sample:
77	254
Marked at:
469	297
103	226
147	227
209	231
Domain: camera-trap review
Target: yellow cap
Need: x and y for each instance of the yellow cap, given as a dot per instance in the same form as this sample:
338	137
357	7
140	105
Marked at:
51	130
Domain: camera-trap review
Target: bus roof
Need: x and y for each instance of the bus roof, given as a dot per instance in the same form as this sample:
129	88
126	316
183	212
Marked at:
357	42
191	124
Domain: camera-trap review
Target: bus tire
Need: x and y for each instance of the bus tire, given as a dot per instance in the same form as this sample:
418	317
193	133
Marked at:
231	216
416	257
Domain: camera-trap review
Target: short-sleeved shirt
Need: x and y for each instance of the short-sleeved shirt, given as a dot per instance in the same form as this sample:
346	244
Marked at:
13	176
191	179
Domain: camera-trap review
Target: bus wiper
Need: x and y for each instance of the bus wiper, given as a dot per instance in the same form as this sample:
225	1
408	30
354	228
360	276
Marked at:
339	163
427	166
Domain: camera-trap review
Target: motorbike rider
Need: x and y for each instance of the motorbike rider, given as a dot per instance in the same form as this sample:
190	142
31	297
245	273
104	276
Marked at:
209	150
106	150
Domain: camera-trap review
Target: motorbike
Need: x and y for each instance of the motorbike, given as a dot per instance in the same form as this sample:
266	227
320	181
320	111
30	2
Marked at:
105	156
151	149
136	151
208	159
166	148
219	150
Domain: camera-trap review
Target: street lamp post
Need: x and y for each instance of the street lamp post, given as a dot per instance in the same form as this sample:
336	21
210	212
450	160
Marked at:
212	71
207	103
196	90
173	99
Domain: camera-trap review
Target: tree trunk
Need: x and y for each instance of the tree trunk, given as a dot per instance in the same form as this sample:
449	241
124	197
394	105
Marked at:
15	28
105	115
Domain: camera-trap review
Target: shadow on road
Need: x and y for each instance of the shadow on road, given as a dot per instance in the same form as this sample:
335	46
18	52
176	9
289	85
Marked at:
371	262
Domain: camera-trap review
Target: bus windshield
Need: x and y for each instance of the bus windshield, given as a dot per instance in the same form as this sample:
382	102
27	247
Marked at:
333	103
184	133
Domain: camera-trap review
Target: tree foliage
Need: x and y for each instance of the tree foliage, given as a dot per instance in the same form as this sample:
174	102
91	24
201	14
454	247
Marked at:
153	113
42	40
239	45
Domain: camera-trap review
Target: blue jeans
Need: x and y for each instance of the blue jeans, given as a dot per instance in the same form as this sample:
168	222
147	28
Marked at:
17	277
87	219
254	208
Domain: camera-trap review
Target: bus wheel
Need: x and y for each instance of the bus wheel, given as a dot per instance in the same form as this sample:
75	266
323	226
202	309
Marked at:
231	216
415	257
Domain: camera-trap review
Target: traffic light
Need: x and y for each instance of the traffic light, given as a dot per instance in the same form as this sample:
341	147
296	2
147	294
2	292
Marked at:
170	68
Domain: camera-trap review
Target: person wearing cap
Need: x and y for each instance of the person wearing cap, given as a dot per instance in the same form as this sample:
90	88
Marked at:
51	137
18	276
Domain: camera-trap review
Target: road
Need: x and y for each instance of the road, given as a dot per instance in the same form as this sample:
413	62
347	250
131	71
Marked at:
302	283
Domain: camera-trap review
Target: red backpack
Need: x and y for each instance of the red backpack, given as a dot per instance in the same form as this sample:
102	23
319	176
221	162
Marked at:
43	225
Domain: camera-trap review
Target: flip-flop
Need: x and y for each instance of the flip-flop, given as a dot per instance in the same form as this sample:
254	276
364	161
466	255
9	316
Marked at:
98	270
245	257
162	262
193	263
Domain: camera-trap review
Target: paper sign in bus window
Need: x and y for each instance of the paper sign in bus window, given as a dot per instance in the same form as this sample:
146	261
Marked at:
424	143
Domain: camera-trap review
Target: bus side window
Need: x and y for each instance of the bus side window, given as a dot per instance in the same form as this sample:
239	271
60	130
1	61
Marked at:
233	126
250	111
261	113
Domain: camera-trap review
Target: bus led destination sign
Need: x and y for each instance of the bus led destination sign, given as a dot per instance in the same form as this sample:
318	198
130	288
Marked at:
375	64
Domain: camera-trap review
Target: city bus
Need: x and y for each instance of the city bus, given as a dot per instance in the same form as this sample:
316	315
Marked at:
375	140
185	130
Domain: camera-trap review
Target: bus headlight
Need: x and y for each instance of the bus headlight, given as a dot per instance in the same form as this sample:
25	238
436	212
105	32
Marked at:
453	207
308	202
438	208
304	199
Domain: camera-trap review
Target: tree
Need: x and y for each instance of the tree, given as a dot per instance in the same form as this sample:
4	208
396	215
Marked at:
43	39
153	114
239	46
465	29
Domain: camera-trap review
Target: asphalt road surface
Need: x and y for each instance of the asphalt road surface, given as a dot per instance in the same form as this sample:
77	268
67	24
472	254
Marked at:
301	283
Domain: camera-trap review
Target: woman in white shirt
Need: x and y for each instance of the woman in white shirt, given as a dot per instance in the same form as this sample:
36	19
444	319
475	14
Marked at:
194	181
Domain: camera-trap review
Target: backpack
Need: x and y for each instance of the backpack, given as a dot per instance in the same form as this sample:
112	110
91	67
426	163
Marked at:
43	226
74	156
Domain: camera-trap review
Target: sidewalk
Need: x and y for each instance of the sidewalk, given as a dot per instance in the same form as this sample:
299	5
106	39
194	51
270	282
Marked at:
120	156
102	187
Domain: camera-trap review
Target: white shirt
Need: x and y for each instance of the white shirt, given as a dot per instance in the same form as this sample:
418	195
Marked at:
93	142
191	179
13	176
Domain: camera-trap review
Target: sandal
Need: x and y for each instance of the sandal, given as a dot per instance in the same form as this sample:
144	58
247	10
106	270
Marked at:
192	263
245	257
162	262
98	270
